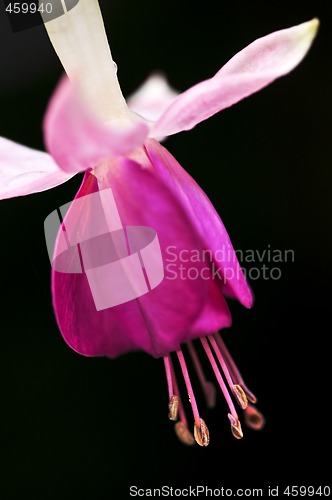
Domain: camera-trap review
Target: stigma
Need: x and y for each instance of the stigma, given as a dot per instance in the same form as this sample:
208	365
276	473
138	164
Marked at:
230	383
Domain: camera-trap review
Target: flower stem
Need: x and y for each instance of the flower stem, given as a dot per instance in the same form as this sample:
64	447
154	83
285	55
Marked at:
79	39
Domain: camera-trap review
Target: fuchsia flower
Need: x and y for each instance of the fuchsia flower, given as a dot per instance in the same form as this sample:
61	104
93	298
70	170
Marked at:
90	127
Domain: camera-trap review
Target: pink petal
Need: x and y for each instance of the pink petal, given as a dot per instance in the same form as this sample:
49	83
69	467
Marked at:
152	98
174	311
77	140
250	70
205	219
25	171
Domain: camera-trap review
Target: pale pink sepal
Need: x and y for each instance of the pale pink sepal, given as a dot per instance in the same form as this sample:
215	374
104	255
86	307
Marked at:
152	98
250	70
24	171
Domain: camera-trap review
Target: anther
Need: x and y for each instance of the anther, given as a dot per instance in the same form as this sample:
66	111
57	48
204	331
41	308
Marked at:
254	418
201	433
184	434
235	427
250	396
173	407
240	396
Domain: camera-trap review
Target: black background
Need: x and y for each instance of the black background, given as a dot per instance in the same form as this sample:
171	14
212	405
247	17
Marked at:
80	428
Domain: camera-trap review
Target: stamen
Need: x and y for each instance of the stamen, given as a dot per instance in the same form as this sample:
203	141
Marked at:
235	427
208	388
181	428
173	404
235	373
254	418
221	360
219	377
201	433
173	408
181	411
191	395
236	389
184	434
168	370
